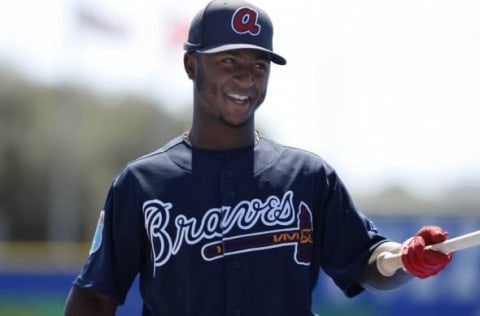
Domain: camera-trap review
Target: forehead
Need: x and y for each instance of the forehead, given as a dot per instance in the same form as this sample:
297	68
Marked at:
244	53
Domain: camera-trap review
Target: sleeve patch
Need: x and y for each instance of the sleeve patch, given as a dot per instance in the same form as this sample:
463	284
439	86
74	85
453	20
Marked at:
97	238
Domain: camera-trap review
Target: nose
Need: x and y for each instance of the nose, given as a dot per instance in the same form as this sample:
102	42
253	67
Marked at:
244	76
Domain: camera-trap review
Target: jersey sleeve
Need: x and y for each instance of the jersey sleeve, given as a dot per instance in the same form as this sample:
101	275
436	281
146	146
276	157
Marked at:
116	252
348	237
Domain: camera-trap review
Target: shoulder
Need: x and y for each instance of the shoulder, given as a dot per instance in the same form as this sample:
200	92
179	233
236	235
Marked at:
174	156
300	168
293	156
174	150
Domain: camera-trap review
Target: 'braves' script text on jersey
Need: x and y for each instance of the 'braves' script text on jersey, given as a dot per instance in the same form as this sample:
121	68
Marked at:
216	222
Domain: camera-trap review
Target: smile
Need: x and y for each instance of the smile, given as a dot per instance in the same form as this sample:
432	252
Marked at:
239	99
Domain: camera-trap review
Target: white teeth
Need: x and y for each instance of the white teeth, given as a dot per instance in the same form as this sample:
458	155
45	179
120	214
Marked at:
238	97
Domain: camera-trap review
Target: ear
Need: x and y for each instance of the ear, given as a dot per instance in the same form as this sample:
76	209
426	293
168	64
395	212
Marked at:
189	62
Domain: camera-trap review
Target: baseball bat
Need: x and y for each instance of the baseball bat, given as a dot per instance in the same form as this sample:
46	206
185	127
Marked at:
388	263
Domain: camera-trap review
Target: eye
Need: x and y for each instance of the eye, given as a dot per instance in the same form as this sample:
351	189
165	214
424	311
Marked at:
228	60
261	66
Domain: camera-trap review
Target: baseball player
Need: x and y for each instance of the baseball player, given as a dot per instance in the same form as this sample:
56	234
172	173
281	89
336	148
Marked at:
223	221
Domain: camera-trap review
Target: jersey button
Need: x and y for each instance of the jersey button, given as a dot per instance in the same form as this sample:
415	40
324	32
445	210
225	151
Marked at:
237	312
230	174
236	265
232	195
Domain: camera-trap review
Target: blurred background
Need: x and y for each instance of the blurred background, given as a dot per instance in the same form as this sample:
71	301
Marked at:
386	91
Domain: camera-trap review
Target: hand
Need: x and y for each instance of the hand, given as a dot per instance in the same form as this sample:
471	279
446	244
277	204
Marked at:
422	262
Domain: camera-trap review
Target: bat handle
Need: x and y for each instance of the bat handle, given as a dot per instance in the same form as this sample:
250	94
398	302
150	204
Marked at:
388	263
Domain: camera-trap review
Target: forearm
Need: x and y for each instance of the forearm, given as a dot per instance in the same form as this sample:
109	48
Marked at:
372	279
87	302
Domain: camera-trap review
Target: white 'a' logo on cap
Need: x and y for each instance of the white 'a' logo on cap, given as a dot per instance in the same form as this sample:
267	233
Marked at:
245	20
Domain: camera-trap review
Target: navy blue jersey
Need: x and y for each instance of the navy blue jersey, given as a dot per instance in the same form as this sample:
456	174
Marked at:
235	232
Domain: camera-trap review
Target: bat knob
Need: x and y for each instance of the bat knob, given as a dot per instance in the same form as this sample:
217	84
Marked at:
388	263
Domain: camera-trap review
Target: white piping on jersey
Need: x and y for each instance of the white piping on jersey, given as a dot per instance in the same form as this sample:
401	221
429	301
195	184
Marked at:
215	223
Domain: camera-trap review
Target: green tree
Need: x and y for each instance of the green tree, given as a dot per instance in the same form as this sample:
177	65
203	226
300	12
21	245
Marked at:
60	147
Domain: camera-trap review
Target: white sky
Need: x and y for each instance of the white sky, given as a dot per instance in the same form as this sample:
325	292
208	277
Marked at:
384	90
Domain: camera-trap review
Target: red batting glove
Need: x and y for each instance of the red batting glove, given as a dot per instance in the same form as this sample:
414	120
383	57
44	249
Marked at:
422	262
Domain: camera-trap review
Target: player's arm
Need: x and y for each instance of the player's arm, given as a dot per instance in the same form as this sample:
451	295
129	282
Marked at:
82	302
372	279
417	258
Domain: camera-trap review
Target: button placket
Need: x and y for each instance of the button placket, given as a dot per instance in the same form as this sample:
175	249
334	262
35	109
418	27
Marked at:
233	270
230	191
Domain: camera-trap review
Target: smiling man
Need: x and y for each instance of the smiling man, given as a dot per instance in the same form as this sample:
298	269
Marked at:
222	221
229	51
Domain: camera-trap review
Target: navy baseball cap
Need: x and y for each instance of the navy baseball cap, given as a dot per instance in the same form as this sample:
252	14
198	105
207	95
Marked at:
231	24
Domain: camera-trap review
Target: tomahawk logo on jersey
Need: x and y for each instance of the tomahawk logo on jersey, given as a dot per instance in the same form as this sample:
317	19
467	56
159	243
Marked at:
276	213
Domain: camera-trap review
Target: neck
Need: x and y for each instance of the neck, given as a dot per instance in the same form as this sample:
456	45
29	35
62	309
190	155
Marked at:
228	138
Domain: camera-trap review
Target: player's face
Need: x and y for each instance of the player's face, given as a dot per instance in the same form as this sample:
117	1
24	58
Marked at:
230	86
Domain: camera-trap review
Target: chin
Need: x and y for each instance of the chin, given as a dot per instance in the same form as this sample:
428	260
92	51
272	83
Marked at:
236	123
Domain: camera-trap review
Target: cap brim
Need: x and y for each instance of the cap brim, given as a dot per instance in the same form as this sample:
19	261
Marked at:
277	59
